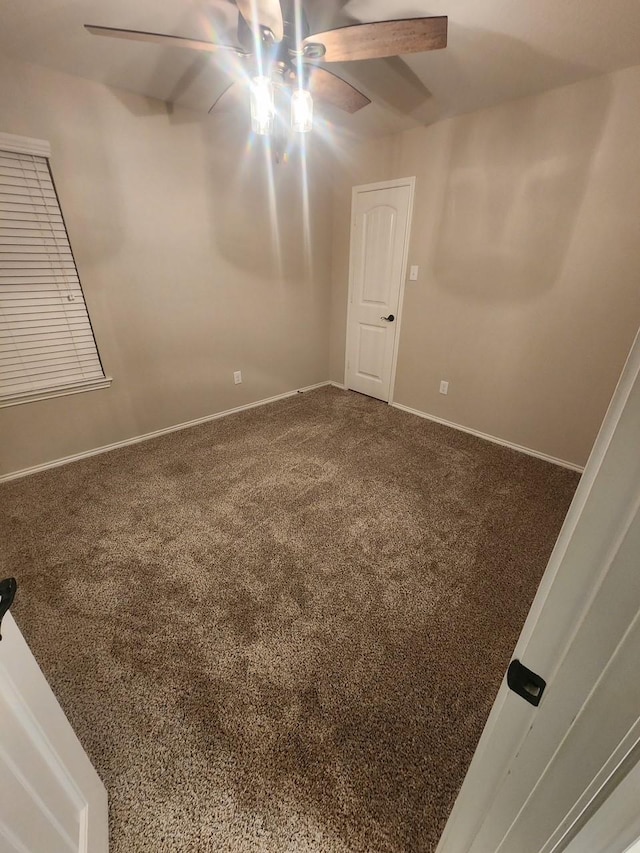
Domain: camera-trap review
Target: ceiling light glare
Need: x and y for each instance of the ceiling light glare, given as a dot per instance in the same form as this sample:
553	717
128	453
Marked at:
262	106
301	111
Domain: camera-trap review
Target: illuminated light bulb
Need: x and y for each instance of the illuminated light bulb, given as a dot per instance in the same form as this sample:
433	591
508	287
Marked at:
301	111
262	106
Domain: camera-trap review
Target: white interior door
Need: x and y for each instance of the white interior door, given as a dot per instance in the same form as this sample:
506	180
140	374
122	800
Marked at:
538	773
380	224
51	798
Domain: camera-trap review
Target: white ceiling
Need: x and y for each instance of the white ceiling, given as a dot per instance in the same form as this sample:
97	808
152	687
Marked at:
498	50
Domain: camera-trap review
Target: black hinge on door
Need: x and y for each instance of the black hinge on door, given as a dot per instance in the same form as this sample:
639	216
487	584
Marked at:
525	683
8	589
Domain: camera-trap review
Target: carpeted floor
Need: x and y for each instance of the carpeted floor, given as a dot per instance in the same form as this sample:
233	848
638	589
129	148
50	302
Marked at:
282	631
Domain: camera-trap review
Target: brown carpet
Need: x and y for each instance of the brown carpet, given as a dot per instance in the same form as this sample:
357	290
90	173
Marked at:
282	631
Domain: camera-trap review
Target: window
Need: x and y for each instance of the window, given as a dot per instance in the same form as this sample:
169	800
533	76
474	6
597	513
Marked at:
47	347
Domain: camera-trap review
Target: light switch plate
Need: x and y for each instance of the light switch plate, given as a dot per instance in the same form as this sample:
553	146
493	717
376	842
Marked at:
413	273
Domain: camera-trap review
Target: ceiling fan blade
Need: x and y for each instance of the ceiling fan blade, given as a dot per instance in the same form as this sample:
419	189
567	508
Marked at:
263	13
163	39
378	39
334	90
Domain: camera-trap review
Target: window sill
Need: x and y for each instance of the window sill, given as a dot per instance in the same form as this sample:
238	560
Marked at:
34	396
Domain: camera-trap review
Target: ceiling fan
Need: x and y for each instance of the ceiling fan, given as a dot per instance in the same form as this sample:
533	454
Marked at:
286	60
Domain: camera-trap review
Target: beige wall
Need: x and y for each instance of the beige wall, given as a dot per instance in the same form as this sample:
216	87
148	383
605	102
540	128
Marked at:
525	228
169	216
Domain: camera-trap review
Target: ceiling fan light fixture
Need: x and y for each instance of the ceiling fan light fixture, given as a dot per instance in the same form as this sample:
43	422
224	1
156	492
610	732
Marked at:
301	111
262	105
286	57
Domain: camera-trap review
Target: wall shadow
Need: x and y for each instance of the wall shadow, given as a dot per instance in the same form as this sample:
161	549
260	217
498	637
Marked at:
389	82
179	76
514	185
263	214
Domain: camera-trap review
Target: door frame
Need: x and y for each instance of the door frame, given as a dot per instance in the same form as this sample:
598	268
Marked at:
382	185
615	825
501	739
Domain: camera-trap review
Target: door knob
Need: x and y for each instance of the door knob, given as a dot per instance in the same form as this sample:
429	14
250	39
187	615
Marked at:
389	319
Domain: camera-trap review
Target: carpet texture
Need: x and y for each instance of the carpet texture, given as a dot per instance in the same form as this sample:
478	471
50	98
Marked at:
282	631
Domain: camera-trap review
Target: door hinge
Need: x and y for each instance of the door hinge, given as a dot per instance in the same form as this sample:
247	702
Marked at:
525	682
8	589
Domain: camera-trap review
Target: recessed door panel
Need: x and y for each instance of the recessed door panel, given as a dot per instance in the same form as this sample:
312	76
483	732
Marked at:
379	225
371	352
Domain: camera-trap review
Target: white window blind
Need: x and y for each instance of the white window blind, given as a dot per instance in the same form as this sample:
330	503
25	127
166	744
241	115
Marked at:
47	345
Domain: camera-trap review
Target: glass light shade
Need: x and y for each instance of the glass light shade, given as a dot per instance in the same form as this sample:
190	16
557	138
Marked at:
301	111
262	106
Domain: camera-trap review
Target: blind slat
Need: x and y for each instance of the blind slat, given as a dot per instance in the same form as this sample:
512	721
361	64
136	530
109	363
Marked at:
55	372
10	174
12	291
50	372
39	340
29	349
30	392
24	166
19	327
24	158
19	181
37	324
20	218
60	368
70	297
27	198
37	356
27	305
10	218
33	231
38	244
17	210
31	189
41	383
68	360
31	279
38	265
62	332
64	360
9	320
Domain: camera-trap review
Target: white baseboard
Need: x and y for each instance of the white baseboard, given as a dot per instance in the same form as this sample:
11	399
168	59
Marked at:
65	460
339	385
492	438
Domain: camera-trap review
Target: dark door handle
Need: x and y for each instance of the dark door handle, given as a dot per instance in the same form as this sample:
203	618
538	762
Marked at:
389	319
8	589
525	683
